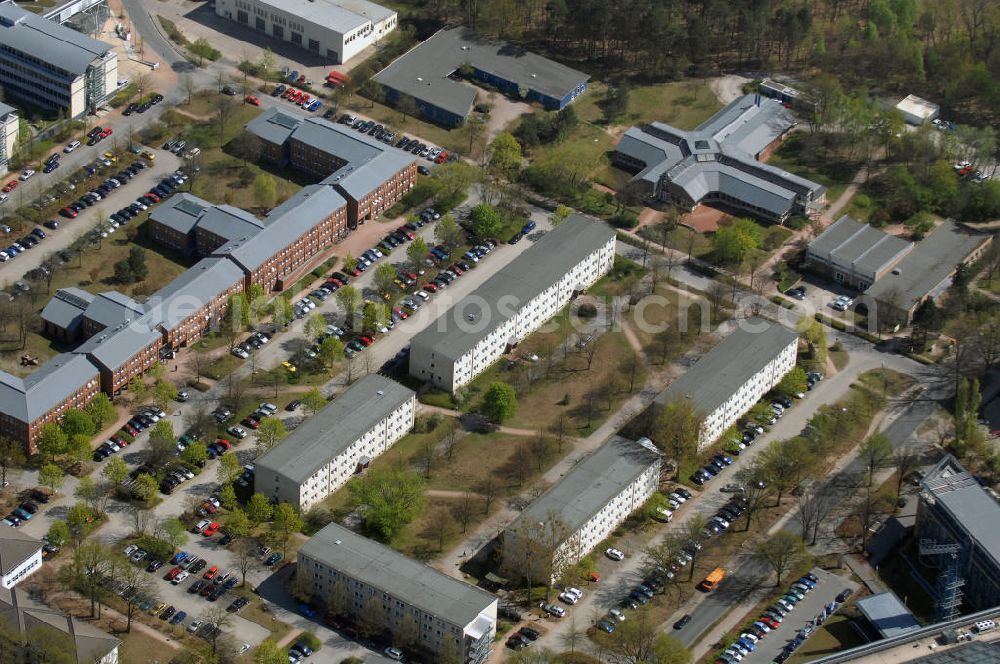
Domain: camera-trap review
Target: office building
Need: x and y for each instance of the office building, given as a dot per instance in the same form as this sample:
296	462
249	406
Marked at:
419	607
370	175
430	74
53	66
566	522
20	556
513	303
336	443
193	226
955	509
9	128
727	382
854	254
721	162
334	30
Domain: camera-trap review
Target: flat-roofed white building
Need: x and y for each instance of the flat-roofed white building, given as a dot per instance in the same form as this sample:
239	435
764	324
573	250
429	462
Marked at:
727	382
53	66
423	609
918	111
336	30
8	135
572	517
336	443
516	301
20	556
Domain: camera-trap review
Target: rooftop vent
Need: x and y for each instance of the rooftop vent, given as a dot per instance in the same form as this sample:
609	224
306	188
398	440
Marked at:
420	78
336	542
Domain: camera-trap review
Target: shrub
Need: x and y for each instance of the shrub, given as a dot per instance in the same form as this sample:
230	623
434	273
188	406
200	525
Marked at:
586	311
624	220
155	547
310	640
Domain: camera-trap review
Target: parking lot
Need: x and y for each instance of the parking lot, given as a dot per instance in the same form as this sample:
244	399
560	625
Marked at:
801	617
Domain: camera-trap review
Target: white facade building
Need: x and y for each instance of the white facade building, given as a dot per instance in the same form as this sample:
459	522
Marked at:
20	556
331	447
731	379
336	30
579	512
8	135
516	301
424	610
53	66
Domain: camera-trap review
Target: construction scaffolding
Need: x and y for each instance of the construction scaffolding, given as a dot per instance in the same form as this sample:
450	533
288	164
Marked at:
948	585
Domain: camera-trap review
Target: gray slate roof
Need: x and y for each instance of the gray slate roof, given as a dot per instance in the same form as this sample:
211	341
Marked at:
113	347
711	381
720	155
423	72
887	613
15	548
330	431
959	494
850	242
401	577
111	308
181	212
50	42
927	267
192	290
29	398
591	484
185	212
451	336
286	224
66	307
273	125
342	16
229	222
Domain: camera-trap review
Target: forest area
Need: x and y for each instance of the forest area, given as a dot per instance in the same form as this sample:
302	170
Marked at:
946	50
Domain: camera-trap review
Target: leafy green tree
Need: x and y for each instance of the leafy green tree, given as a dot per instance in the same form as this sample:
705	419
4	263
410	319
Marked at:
349	298
51	475
794	382
448	232
101	410
145	487
52	442
454	179
486	221
195	454
385	277
286	522
505	154
137	388
229	468
173	530
77	422
616	102
78	518
782	552
313	401
237	523
374	315
677	429
259	509
269	652
78	449
499	402
164	392
137	263
416	251
115	471
331	349
58	533
315	326
388	499
227	497
265	190
269	433
733	243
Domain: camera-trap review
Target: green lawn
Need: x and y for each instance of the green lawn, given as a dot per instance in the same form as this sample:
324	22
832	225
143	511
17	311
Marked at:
795	157
682	104
833	636
861	207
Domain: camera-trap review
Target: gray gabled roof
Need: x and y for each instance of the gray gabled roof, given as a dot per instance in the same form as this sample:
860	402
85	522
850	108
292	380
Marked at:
423	72
229	222
66	308
330	431
273	125
591	484
113	347
27	399
286	224
181	212
48	41
357	181
111	308
714	378
193	290
15	548
186	212
927	267
399	576
452	335
850	242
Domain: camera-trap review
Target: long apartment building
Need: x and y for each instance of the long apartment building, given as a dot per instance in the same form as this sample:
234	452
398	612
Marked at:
721	162
20	556
9	128
566	522
726	383
370	175
517	300
53	66
421	608
193	226
338	442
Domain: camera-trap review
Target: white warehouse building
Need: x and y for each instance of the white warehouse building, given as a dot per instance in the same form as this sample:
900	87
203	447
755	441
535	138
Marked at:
336	30
423	609
727	382
517	300
335	444
579	512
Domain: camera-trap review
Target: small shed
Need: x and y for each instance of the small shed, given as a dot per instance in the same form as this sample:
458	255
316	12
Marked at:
917	111
887	614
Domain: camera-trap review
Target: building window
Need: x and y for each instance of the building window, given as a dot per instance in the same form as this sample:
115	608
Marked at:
259	24
314	45
278	31
296	39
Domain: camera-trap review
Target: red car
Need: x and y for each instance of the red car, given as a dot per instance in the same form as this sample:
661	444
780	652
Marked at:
770	622
211	530
107	131
10	186
441	158
68	212
120	440
173	573
456	269
225	443
354	273
153	197
132	431
431	288
367	341
250	422
250	99
399	312
209	507
409	234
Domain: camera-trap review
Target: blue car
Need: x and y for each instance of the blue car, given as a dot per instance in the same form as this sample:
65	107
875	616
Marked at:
24	514
747	644
178	558
178	618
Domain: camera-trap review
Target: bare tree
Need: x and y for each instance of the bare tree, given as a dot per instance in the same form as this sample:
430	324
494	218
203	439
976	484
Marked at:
905	460
812	512
488	490
464	510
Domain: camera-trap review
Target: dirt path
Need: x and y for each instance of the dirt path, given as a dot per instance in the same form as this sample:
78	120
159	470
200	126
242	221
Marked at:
289	638
633	340
426	408
441	493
